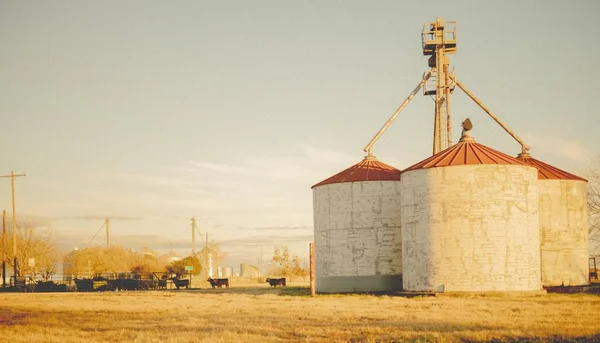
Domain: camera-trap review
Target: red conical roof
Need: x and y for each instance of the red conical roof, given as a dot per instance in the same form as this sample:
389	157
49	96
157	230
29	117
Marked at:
548	172
465	152
369	169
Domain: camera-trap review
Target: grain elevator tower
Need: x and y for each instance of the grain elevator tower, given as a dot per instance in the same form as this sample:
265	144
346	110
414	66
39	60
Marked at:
439	41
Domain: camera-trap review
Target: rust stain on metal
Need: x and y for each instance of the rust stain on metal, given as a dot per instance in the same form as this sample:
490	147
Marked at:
369	169
466	152
546	171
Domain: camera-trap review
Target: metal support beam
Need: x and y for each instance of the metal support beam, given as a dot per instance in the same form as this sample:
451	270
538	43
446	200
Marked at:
524	147
440	91
447	103
369	147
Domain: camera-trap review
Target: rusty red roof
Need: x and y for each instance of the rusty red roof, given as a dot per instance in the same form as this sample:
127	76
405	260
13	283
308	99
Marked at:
465	152
369	169
548	172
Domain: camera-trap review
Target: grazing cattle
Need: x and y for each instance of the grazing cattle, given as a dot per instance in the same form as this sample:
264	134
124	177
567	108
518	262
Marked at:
162	284
181	282
218	282
276	282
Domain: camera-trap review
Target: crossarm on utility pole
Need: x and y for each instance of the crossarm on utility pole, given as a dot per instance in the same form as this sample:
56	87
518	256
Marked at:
369	147
524	147
12	176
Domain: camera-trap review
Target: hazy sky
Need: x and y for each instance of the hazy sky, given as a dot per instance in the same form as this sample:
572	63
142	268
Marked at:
151	112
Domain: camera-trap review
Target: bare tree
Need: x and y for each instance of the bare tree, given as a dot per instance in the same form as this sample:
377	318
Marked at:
297	269
37	251
92	261
281	257
285	266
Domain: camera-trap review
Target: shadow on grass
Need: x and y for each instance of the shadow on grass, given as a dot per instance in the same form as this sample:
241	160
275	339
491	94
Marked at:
303	291
553	339
250	290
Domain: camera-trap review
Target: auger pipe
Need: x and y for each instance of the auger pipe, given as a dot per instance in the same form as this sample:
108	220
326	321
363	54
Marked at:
369	147
524	147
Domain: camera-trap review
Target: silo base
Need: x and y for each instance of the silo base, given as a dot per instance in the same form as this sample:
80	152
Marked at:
361	283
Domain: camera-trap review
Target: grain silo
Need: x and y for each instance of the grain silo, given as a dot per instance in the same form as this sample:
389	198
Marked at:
357	229
563	225
470	222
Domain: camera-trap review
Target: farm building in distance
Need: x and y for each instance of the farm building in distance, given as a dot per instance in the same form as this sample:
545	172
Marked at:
467	218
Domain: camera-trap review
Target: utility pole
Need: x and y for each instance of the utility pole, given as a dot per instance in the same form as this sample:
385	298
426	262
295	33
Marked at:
206	256
107	225
12	176
3	248
261	263
194	236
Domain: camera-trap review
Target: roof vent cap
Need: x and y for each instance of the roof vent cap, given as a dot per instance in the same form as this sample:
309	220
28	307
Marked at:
467	127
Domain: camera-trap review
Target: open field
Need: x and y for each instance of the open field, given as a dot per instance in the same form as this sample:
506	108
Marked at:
261	314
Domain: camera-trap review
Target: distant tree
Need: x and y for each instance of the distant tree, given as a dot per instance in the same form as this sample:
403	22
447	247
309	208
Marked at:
38	244
76	263
92	261
178	267
281	257
145	261
284	266
297	269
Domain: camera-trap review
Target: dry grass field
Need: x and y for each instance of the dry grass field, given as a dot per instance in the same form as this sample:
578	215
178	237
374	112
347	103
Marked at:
261	314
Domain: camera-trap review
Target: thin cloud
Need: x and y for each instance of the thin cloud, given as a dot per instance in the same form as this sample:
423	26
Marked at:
282	228
560	147
222	168
96	218
306	165
29	220
282	168
265	191
267	240
331	156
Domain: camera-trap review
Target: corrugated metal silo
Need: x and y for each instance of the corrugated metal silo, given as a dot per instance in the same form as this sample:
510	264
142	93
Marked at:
357	229
470	222
563	225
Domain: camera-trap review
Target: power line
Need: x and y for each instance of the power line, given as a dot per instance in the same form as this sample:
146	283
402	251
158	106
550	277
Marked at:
100	229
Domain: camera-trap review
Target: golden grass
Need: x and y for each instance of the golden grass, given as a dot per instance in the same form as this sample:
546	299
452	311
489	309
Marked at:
261	314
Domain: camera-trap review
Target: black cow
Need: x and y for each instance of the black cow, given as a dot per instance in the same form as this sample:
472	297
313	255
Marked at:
218	282
181	282
276	282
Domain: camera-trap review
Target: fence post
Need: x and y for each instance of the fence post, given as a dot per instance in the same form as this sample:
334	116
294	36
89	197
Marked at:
311	246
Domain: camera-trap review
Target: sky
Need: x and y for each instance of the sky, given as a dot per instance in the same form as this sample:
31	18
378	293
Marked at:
153	112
